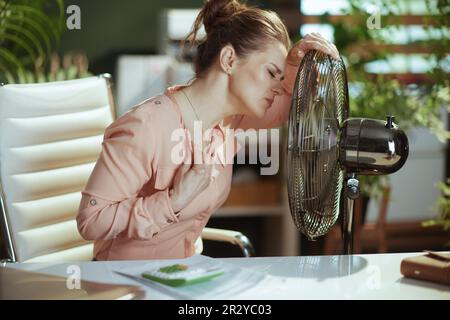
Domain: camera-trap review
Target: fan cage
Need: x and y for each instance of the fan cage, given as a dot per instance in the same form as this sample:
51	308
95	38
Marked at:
315	178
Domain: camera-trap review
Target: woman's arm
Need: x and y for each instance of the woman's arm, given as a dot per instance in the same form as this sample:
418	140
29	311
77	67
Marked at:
110	204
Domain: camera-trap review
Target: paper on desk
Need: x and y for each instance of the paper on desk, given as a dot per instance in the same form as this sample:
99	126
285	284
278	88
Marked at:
235	280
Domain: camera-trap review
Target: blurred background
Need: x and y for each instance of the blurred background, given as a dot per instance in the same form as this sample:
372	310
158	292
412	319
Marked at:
397	58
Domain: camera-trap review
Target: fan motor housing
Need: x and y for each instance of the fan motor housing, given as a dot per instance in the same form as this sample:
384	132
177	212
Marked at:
372	147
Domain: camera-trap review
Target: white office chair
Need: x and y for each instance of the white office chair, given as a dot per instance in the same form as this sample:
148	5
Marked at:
50	137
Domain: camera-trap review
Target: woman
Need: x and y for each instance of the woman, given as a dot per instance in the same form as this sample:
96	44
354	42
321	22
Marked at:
141	204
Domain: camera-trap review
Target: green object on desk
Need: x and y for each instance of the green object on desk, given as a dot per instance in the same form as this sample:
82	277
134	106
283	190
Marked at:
181	275
174	268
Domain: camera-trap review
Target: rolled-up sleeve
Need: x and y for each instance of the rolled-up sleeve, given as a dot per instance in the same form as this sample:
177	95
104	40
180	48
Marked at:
110	203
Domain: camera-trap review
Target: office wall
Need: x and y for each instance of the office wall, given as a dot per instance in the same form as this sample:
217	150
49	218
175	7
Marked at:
113	25
414	192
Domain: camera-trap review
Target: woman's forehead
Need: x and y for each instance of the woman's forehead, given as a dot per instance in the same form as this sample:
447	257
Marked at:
273	52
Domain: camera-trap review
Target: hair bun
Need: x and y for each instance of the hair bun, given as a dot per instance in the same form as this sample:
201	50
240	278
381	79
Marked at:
216	12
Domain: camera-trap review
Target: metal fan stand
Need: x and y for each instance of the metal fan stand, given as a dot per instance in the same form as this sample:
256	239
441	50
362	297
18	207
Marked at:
322	136
352	193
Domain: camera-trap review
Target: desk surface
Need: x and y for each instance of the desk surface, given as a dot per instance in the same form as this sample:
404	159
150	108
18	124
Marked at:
374	276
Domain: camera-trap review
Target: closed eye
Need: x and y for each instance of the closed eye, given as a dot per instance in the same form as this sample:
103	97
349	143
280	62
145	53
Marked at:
271	74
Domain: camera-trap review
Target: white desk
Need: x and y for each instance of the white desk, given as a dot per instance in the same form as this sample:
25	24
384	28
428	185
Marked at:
375	276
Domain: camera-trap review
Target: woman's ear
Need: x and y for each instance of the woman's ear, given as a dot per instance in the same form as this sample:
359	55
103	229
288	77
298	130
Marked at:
227	59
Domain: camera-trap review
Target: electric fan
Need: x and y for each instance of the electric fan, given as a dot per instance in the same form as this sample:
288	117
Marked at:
327	150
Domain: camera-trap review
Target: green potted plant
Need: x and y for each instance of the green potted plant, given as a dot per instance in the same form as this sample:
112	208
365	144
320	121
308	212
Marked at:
29	32
443	209
374	95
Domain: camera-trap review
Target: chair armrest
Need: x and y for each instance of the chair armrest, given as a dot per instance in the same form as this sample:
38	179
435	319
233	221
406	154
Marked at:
230	236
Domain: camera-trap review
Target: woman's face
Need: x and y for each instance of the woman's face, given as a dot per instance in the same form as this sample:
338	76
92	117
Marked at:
256	79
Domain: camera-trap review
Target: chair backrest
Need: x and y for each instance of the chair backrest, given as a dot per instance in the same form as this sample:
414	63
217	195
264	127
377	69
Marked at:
50	139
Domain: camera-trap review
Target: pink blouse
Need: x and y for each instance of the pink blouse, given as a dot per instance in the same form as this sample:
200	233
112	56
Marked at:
125	205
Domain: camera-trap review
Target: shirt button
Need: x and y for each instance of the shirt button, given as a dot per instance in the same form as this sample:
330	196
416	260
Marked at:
93	202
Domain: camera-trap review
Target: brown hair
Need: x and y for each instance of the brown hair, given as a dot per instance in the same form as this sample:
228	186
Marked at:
246	28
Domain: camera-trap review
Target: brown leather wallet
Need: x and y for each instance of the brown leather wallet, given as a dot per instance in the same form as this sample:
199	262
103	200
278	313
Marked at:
433	266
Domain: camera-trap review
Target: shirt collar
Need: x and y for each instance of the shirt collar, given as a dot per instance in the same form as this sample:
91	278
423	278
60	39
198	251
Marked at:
170	90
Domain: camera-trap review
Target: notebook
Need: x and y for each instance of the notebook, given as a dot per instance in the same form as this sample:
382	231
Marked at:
197	277
432	266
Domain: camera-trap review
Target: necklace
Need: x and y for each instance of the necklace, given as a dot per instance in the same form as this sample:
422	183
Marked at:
192	106
196	115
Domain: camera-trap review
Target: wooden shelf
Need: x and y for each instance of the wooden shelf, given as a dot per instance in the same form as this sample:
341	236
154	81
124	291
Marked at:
256	194
249	211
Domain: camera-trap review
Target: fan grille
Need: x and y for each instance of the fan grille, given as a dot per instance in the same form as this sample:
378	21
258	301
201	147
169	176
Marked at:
315	179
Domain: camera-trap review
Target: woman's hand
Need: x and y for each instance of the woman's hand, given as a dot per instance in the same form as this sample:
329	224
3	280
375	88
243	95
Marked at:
312	41
191	180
